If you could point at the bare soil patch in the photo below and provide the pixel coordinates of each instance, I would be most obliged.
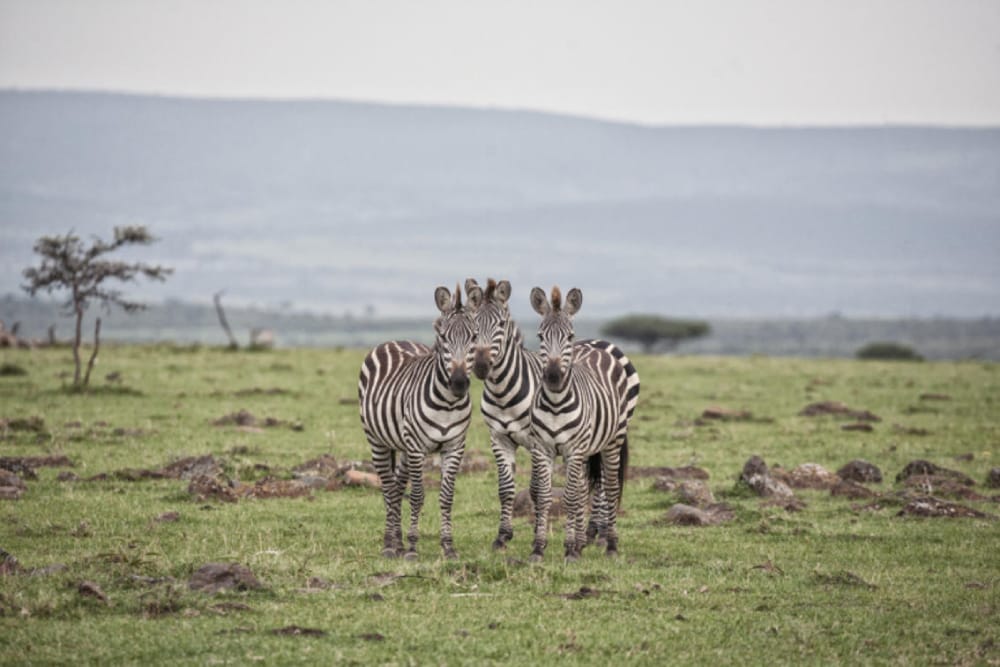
(217, 577)
(246, 419)
(839, 409)
(683, 472)
(806, 476)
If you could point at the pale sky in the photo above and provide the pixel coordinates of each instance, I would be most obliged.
(777, 62)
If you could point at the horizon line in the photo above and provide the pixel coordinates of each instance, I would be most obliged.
(500, 109)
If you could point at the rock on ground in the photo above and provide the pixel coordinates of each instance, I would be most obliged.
(758, 478)
(859, 470)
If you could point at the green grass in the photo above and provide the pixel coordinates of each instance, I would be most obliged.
(848, 586)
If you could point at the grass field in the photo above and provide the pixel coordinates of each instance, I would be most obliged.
(841, 581)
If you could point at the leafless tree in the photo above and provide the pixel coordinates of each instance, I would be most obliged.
(69, 264)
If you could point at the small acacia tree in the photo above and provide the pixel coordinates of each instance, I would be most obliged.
(652, 330)
(69, 264)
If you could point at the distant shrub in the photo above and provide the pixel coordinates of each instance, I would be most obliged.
(652, 330)
(11, 369)
(888, 352)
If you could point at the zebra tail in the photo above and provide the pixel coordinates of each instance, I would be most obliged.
(594, 472)
(622, 469)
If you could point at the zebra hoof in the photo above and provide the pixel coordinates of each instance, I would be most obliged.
(611, 553)
(410, 555)
(450, 554)
(389, 553)
(499, 545)
(536, 558)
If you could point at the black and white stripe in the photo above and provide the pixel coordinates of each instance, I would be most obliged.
(587, 396)
(414, 401)
(511, 375)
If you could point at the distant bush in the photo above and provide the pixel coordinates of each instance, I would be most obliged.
(652, 330)
(888, 352)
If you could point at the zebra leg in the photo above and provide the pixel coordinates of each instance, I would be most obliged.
(392, 539)
(450, 463)
(415, 465)
(612, 491)
(597, 526)
(574, 497)
(541, 482)
(503, 451)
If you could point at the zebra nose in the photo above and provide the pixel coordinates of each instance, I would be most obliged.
(553, 375)
(481, 362)
(459, 382)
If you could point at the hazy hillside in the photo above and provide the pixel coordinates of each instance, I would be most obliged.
(338, 206)
(831, 336)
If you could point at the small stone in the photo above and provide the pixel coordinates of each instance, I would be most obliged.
(359, 478)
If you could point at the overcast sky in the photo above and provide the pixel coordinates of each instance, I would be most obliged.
(778, 62)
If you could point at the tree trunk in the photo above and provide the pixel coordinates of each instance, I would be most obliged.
(233, 345)
(76, 345)
(93, 356)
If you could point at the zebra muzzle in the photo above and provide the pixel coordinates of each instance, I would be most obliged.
(481, 363)
(552, 375)
(459, 382)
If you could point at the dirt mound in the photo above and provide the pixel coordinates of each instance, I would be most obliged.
(942, 485)
(686, 515)
(838, 409)
(922, 467)
(850, 489)
(26, 465)
(187, 468)
(683, 472)
(806, 476)
(720, 413)
(221, 488)
(859, 470)
(11, 486)
(929, 506)
(246, 420)
(758, 479)
(216, 577)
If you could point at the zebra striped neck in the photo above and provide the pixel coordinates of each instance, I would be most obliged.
(439, 384)
(510, 360)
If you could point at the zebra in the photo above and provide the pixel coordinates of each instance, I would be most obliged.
(587, 396)
(511, 376)
(414, 400)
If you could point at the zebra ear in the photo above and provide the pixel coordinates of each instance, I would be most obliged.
(475, 294)
(574, 299)
(539, 301)
(502, 291)
(442, 297)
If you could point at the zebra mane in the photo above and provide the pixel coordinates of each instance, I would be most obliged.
(491, 286)
(458, 298)
(556, 298)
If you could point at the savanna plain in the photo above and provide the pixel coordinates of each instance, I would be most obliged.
(104, 547)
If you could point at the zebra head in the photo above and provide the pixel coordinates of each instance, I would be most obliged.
(556, 334)
(492, 321)
(455, 339)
